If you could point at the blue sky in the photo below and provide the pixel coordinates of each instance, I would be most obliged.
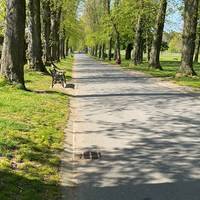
(174, 21)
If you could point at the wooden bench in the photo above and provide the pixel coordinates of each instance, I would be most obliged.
(58, 75)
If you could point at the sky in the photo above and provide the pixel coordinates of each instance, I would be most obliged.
(174, 20)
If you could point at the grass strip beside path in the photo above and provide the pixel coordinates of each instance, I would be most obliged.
(31, 137)
(170, 64)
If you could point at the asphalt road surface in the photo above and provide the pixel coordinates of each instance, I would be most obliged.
(148, 135)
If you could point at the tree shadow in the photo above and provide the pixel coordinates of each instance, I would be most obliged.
(148, 136)
(13, 186)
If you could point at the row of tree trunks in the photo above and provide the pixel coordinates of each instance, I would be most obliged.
(100, 50)
(12, 61)
(13, 58)
(55, 45)
(154, 43)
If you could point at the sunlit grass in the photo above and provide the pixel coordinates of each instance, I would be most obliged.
(31, 134)
(170, 63)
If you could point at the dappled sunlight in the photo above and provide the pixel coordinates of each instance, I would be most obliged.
(148, 135)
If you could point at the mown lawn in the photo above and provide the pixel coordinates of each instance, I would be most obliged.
(170, 63)
(31, 138)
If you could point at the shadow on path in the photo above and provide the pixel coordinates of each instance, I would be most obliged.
(148, 135)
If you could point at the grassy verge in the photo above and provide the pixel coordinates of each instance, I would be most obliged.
(31, 135)
(170, 64)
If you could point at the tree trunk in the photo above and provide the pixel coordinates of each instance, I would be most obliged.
(197, 47)
(118, 41)
(103, 52)
(100, 51)
(196, 54)
(96, 51)
(189, 37)
(110, 49)
(115, 51)
(46, 17)
(129, 49)
(54, 42)
(137, 42)
(148, 45)
(141, 52)
(118, 49)
(55, 34)
(67, 46)
(12, 62)
(62, 47)
(157, 38)
(92, 51)
(34, 36)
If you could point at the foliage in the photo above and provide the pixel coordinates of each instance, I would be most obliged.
(175, 44)
(100, 25)
(164, 46)
(2, 15)
(70, 24)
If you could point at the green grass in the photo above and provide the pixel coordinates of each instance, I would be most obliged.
(31, 137)
(170, 63)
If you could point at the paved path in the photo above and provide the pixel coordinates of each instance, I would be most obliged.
(148, 135)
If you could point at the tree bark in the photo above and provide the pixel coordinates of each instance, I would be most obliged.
(12, 62)
(103, 52)
(196, 54)
(118, 49)
(46, 17)
(197, 46)
(62, 47)
(189, 37)
(137, 43)
(141, 51)
(55, 34)
(91, 51)
(118, 39)
(34, 36)
(110, 49)
(67, 46)
(100, 51)
(129, 49)
(157, 38)
(96, 51)
(148, 45)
